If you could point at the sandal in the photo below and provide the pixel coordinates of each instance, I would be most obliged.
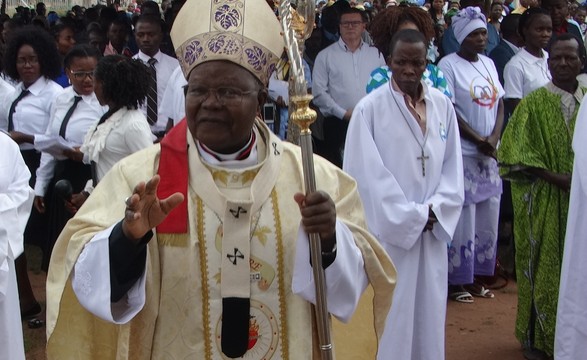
(479, 291)
(462, 297)
(35, 323)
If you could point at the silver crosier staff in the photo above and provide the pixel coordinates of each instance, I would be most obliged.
(297, 26)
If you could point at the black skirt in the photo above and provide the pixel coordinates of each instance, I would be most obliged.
(78, 174)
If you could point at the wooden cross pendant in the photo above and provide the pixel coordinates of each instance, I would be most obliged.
(423, 159)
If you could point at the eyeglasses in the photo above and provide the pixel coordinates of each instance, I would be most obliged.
(225, 95)
(350, 24)
(81, 75)
(31, 61)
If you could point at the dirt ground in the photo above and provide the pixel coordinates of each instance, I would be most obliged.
(483, 330)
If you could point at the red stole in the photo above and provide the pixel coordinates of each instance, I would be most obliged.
(174, 173)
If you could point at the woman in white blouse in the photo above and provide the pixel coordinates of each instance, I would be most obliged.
(121, 84)
(73, 112)
(528, 69)
(31, 59)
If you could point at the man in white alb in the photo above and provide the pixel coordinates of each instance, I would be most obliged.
(403, 148)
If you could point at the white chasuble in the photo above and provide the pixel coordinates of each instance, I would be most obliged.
(175, 310)
(383, 151)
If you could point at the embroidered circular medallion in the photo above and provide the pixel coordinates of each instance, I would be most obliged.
(263, 333)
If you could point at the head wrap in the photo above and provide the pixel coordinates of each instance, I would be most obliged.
(466, 21)
(244, 32)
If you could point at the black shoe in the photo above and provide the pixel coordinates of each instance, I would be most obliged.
(32, 312)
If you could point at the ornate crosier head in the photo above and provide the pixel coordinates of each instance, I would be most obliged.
(297, 25)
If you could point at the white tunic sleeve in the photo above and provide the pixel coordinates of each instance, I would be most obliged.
(91, 283)
(345, 277)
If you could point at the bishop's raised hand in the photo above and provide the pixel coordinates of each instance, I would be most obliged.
(144, 210)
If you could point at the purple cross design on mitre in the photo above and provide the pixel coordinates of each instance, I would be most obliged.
(227, 17)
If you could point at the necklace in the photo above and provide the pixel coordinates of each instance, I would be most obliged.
(487, 78)
(423, 157)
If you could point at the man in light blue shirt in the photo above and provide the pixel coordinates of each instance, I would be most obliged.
(339, 77)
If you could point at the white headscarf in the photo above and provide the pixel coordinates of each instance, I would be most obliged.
(466, 21)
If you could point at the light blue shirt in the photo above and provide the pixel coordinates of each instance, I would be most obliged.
(339, 76)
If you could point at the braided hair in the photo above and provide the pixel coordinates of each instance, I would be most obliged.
(125, 82)
(387, 22)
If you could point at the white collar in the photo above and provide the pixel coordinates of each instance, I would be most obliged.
(229, 161)
(343, 45)
(141, 55)
(35, 87)
(531, 59)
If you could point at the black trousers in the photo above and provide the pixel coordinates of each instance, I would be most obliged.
(36, 228)
(334, 137)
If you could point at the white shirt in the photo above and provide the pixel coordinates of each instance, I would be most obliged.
(165, 66)
(86, 114)
(32, 113)
(525, 73)
(172, 105)
(129, 132)
(6, 90)
(475, 99)
(339, 76)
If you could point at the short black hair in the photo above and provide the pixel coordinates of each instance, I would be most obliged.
(150, 19)
(528, 16)
(581, 52)
(124, 81)
(509, 25)
(80, 51)
(150, 7)
(409, 36)
(43, 44)
(61, 25)
(352, 10)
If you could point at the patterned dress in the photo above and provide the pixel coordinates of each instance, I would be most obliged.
(539, 135)
(432, 76)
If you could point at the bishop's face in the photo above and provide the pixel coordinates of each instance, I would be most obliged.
(222, 101)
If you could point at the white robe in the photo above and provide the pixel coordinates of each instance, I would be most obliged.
(16, 199)
(381, 152)
(571, 319)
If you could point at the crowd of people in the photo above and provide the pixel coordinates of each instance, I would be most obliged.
(149, 156)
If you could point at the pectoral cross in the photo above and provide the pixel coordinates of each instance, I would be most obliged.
(423, 159)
